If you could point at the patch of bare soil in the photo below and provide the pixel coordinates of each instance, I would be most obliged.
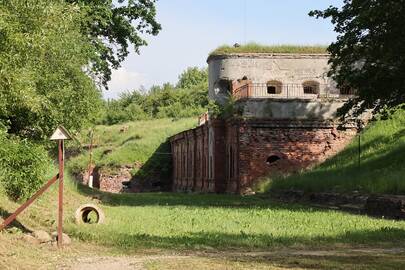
(115, 262)
(285, 258)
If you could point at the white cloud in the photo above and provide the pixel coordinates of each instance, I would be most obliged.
(123, 80)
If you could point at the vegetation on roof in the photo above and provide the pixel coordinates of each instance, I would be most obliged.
(258, 48)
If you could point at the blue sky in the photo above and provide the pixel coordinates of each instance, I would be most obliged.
(193, 28)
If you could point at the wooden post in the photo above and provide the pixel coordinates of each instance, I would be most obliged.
(60, 209)
(60, 135)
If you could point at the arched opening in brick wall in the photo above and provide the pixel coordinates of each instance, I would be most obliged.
(272, 159)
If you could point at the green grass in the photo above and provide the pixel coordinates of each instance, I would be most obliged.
(144, 142)
(258, 48)
(381, 170)
(207, 221)
(173, 222)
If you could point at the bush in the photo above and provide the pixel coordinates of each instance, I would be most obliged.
(23, 165)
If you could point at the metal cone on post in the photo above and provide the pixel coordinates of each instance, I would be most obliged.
(60, 135)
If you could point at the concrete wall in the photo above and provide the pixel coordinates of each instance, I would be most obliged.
(289, 108)
(261, 68)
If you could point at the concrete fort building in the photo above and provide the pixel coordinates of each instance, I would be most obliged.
(284, 119)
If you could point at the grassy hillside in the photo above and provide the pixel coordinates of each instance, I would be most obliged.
(143, 142)
(382, 167)
(258, 48)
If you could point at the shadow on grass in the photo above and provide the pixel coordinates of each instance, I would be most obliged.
(15, 224)
(225, 241)
(168, 199)
(155, 173)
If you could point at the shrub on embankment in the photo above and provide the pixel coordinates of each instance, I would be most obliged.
(381, 168)
(23, 165)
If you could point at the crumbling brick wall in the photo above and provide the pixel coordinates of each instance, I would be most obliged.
(246, 150)
(278, 147)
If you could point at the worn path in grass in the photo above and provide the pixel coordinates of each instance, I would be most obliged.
(363, 258)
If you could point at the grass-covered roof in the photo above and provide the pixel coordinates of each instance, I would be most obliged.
(258, 48)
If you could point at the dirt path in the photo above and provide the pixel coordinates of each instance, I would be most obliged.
(363, 258)
(112, 262)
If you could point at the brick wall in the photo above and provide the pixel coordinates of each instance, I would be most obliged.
(190, 162)
(296, 144)
(243, 151)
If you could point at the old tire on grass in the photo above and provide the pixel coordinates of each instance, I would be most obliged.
(83, 212)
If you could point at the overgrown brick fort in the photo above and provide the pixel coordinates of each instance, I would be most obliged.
(283, 119)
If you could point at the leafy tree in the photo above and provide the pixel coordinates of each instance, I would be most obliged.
(42, 57)
(112, 28)
(369, 54)
(193, 76)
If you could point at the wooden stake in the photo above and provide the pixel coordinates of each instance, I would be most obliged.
(60, 212)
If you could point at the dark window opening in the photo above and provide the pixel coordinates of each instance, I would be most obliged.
(271, 89)
(274, 87)
(309, 90)
(311, 87)
(224, 85)
(272, 159)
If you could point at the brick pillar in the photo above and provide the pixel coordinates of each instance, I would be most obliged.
(190, 174)
(174, 162)
(199, 166)
(204, 186)
(218, 177)
(232, 162)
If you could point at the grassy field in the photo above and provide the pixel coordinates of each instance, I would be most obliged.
(258, 48)
(212, 231)
(381, 170)
(190, 221)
